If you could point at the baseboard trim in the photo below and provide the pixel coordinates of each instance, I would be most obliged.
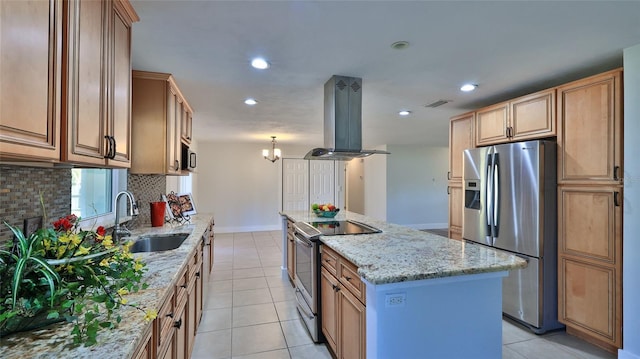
(275, 227)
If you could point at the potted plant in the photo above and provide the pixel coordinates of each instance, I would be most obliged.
(66, 273)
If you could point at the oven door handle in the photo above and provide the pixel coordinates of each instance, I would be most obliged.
(303, 242)
(302, 306)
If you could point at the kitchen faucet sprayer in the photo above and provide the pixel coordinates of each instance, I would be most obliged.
(132, 211)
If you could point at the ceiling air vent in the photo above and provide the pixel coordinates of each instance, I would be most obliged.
(437, 103)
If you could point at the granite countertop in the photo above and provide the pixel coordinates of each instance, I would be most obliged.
(400, 254)
(163, 267)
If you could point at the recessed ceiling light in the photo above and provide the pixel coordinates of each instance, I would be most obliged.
(260, 63)
(404, 113)
(250, 101)
(400, 45)
(468, 87)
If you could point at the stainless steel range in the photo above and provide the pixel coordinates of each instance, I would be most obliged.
(307, 267)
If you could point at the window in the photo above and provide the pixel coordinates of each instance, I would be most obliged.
(93, 191)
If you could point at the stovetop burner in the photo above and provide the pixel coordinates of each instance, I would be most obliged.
(337, 228)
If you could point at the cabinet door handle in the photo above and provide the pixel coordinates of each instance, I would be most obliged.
(449, 175)
(448, 190)
(198, 274)
(335, 288)
(177, 165)
(108, 154)
(616, 199)
(113, 148)
(178, 323)
(616, 169)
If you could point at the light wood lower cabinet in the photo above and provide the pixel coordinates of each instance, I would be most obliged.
(590, 263)
(456, 208)
(291, 251)
(342, 304)
(178, 319)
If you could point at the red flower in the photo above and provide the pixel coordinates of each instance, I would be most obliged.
(63, 224)
(101, 231)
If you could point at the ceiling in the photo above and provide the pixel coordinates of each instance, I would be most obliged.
(507, 48)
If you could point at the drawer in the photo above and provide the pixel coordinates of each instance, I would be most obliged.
(329, 260)
(349, 277)
(165, 323)
(181, 286)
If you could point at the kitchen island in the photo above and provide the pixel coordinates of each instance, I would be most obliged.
(163, 270)
(450, 291)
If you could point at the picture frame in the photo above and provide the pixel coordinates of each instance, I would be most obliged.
(171, 199)
(187, 204)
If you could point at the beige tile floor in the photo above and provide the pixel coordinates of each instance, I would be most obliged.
(250, 312)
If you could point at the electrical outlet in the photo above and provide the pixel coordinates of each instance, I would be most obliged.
(395, 300)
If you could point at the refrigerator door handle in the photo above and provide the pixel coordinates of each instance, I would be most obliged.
(496, 196)
(488, 193)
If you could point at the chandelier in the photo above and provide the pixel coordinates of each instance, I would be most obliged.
(275, 152)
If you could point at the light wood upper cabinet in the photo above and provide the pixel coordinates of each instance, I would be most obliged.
(187, 119)
(533, 116)
(96, 126)
(492, 124)
(590, 262)
(590, 129)
(30, 79)
(157, 109)
(524, 118)
(460, 138)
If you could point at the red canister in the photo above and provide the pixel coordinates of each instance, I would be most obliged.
(157, 213)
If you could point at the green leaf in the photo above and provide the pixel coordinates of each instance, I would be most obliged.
(53, 315)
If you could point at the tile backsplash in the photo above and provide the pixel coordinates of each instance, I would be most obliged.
(146, 189)
(20, 189)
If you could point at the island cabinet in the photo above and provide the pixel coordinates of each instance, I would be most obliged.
(291, 251)
(590, 207)
(157, 114)
(343, 309)
(524, 118)
(30, 79)
(460, 138)
(96, 118)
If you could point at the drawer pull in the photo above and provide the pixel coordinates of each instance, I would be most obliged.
(335, 288)
(178, 323)
(170, 315)
(183, 285)
(347, 278)
(328, 260)
(616, 199)
(198, 274)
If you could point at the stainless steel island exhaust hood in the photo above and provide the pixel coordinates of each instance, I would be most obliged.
(342, 121)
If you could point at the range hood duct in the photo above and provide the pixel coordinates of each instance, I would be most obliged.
(342, 121)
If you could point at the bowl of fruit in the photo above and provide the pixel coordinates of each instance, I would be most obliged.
(325, 210)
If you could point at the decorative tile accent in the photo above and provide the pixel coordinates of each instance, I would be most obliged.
(20, 189)
(146, 189)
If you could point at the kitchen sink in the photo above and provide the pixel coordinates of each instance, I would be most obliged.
(158, 242)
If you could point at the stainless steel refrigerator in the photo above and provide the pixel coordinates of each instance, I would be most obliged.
(510, 204)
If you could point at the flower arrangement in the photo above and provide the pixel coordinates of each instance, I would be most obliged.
(67, 273)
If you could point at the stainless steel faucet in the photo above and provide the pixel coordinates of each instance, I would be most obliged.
(122, 231)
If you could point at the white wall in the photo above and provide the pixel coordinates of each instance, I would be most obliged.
(375, 185)
(239, 187)
(417, 186)
(631, 225)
